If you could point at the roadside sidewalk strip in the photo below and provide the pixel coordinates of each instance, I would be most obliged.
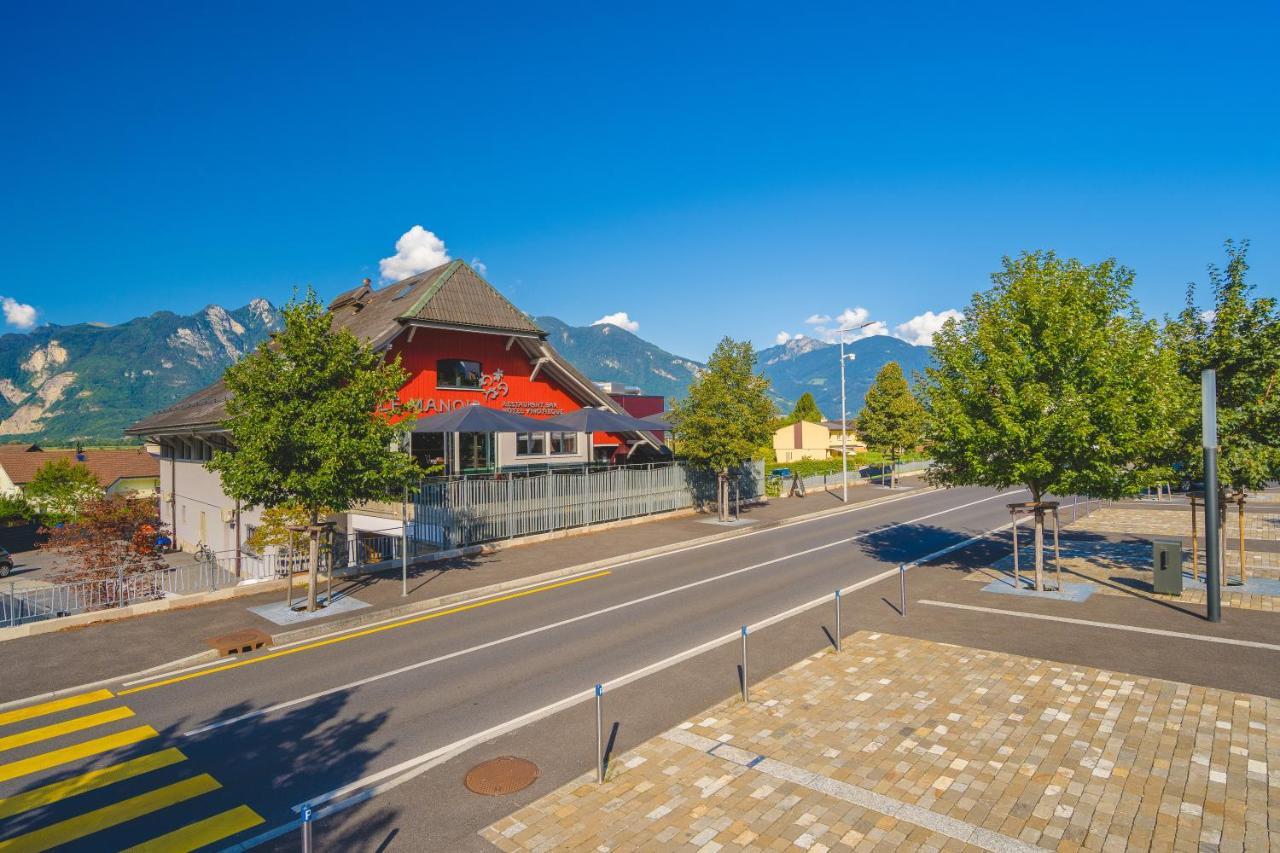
(382, 781)
(258, 587)
(1159, 632)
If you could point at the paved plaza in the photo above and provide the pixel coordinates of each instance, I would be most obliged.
(901, 742)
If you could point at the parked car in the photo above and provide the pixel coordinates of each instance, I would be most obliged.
(6, 562)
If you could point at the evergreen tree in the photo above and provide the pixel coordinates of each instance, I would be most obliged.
(303, 427)
(892, 419)
(1053, 381)
(727, 416)
(806, 409)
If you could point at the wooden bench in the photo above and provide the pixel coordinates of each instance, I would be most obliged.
(239, 642)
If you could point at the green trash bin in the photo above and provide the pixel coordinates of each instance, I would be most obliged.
(1166, 563)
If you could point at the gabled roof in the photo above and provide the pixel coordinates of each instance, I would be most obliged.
(108, 466)
(451, 296)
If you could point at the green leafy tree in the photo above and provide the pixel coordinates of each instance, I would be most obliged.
(727, 416)
(806, 409)
(1239, 337)
(14, 509)
(59, 488)
(1052, 380)
(892, 419)
(303, 425)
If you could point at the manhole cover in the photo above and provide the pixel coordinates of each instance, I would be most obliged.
(504, 775)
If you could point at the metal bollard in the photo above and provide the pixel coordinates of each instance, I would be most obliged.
(902, 578)
(306, 828)
(837, 621)
(745, 692)
(1075, 499)
(599, 735)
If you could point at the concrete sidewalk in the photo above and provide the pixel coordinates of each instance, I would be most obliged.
(37, 665)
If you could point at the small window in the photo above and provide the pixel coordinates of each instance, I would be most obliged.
(457, 373)
(404, 291)
(531, 444)
(564, 443)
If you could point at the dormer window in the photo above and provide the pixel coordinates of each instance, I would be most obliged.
(458, 373)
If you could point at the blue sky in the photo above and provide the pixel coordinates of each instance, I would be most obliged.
(708, 171)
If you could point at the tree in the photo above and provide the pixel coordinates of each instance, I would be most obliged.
(303, 424)
(1238, 337)
(14, 509)
(806, 410)
(58, 489)
(1053, 381)
(892, 419)
(726, 417)
(111, 536)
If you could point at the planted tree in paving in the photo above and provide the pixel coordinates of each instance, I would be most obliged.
(1239, 337)
(1052, 380)
(892, 419)
(303, 427)
(727, 415)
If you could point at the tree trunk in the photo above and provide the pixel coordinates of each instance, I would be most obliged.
(313, 571)
(1039, 544)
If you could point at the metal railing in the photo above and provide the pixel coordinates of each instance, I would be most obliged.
(460, 512)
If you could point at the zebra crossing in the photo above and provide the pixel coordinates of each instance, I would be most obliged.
(80, 772)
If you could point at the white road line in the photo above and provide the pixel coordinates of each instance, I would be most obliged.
(384, 780)
(1252, 644)
(872, 504)
(302, 700)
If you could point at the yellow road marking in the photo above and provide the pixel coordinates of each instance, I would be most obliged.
(365, 633)
(75, 752)
(56, 705)
(106, 817)
(66, 727)
(94, 779)
(202, 832)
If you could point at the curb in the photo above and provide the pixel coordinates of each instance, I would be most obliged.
(189, 660)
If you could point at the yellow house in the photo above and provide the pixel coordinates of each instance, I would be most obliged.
(855, 444)
(801, 440)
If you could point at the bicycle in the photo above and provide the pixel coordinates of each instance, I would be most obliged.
(204, 554)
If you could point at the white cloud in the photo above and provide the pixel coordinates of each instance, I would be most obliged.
(783, 337)
(417, 250)
(479, 266)
(919, 330)
(825, 327)
(18, 314)
(621, 320)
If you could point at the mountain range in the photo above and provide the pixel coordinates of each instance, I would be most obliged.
(88, 381)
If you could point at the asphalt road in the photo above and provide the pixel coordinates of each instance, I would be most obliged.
(224, 753)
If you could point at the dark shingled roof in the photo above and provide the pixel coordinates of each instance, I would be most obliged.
(452, 295)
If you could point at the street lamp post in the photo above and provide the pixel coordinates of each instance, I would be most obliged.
(844, 415)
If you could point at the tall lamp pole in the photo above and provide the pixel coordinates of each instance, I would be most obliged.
(844, 414)
(1212, 552)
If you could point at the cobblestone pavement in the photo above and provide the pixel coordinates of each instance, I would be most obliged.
(1257, 525)
(906, 743)
(1124, 568)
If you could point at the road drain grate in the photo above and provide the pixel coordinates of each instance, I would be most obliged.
(499, 776)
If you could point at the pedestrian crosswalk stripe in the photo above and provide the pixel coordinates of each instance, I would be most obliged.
(202, 832)
(20, 714)
(66, 727)
(75, 752)
(66, 831)
(100, 778)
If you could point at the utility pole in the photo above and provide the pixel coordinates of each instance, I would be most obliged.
(1212, 542)
(844, 415)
